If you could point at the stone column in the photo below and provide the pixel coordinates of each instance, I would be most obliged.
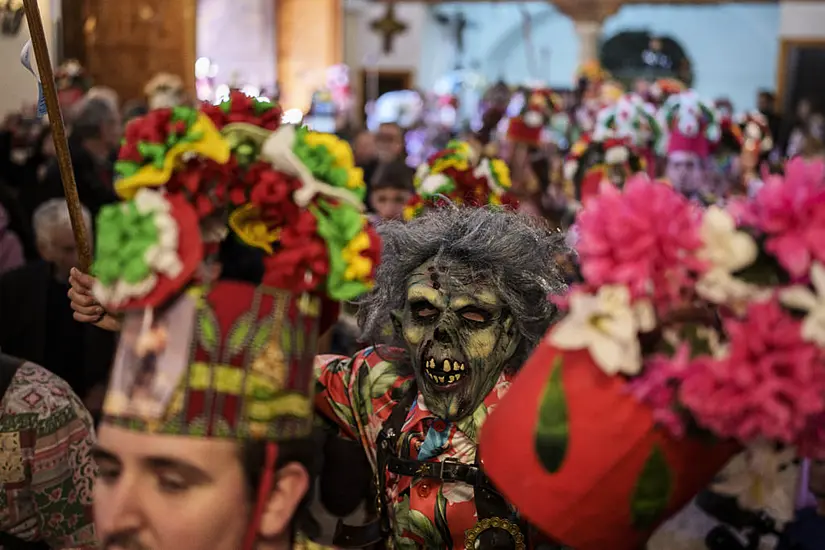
(589, 33)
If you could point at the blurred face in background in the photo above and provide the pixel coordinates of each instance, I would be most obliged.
(389, 143)
(56, 245)
(363, 147)
(389, 203)
(685, 172)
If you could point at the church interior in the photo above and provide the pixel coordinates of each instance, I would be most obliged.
(726, 49)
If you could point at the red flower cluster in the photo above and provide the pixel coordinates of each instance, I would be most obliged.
(301, 263)
(154, 128)
(240, 108)
(208, 185)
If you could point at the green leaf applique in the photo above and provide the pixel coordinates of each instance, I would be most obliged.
(471, 425)
(553, 431)
(261, 338)
(208, 330)
(652, 491)
(239, 335)
(422, 527)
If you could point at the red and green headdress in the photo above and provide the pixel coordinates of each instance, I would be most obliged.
(214, 358)
(459, 174)
(532, 124)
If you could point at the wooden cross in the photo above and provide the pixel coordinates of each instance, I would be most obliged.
(388, 26)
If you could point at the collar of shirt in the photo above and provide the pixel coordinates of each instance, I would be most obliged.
(431, 436)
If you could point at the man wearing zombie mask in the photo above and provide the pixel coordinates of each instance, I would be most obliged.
(464, 293)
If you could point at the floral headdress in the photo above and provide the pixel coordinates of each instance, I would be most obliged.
(693, 125)
(459, 174)
(755, 131)
(626, 132)
(693, 333)
(662, 89)
(164, 90)
(214, 358)
(531, 126)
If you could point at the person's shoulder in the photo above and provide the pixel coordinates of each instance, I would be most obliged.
(42, 398)
(23, 274)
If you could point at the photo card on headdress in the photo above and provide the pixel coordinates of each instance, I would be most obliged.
(152, 360)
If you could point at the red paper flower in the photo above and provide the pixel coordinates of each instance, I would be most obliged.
(301, 262)
(271, 192)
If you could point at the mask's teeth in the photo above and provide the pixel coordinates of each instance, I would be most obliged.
(456, 366)
(457, 377)
(451, 379)
(446, 366)
(440, 379)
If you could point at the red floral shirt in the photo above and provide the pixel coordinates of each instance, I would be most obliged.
(359, 393)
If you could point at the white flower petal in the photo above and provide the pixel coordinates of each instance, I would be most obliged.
(818, 280)
(433, 184)
(799, 297)
(567, 334)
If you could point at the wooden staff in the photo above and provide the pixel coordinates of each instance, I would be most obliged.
(61, 144)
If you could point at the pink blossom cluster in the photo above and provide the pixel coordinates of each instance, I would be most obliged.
(790, 212)
(770, 384)
(645, 237)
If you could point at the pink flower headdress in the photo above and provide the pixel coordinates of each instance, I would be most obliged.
(695, 334)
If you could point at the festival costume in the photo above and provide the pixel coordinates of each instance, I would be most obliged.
(226, 359)
(462, 176)
(532, 126)
(670, 361)
(429, 489)
(46, 465)
(164, 91)
(624, 142)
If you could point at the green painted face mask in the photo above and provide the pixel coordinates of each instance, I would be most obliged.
(459, 336)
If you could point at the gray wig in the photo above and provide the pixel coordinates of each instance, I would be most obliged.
(512, 253)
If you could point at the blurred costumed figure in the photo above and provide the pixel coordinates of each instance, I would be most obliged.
(164, 91)
(693, 129)
(72, 83)
(625, 142)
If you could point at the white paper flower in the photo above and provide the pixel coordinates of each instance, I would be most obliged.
(762, 479)
(725, 246)
(433, 184)
(533, 119)
(802, 298)
(608, 325)
(727, 250)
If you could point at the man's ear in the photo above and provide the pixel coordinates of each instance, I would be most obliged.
(290, 488)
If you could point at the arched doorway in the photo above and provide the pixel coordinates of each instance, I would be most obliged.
(632, 55)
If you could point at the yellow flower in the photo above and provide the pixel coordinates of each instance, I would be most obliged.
(459, 163)
(211, 145)
(248, 226)
(578, 149)
(501, 173)
(494, 200)
(341, 154)
(358, 266)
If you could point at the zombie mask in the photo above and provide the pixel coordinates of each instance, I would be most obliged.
(460, 336)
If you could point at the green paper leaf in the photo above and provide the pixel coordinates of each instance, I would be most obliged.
(239, 334)
(286, 340)
(553, 430)
(208, 330)
(652, 491)
(126, 168)
(261, 338)
(421, 526)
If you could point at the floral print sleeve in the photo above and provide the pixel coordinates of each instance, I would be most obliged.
(46, 436)
(359, 392)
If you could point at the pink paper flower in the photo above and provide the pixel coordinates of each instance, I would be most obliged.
(769, 384)
(645, 237)
(791, 213)
(657, 387)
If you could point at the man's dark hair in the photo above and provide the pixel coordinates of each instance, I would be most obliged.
(396, 175)
(767, 95)
(91, 117)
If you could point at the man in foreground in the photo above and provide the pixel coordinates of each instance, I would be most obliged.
(46, 467)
